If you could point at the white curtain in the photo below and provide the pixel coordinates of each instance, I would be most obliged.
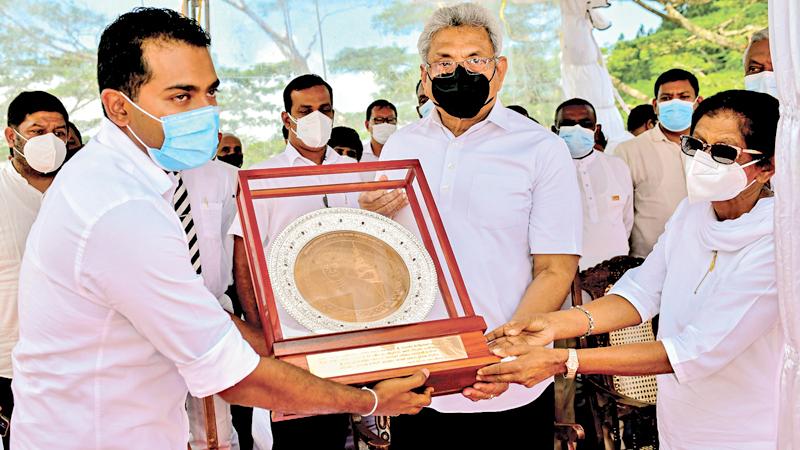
(784, 21)
(583, 72)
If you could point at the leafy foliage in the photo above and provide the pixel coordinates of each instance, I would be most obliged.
(637, 62)
(52, 45)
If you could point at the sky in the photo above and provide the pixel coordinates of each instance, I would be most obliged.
(346, 23)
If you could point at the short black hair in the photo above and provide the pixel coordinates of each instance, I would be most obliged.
(574, 102)
(519, 109)
(416, 89)
(71, 127)
(676, 75)
(300, 83)
(758, 115)
(346, 137)
(285, 132)
(30, 102)
(640, 115)
(120, 59)
(381, 103)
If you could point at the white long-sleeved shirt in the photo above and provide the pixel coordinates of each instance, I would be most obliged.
(115, 325)
(718, 321)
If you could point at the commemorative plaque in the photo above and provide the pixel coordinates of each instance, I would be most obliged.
(362, 284)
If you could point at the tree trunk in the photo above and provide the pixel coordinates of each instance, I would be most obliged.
(671, 14)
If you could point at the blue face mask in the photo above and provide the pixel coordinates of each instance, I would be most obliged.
(580, 141)
(675, 115)
(426, 108)
(190, 138)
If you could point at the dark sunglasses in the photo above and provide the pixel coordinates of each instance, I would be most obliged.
(721, 153)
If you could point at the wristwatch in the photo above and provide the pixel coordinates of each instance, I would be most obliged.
(572, 364)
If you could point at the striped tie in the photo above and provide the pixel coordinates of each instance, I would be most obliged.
(184, 210)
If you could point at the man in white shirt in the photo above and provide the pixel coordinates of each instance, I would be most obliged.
(509, 201)
(605, 183)
(381, 123)
(22, 187)
(210, 191)
(607, 200)
(308, 99)
(115, 323)
(230, 150)
(655, 159)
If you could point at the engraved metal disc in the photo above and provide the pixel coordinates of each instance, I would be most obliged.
(338, 269)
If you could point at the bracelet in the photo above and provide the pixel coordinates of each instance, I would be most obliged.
(588, 316)
(375, 406)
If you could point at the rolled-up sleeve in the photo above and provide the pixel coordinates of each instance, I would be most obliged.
(555, 225)
(141, 269)
(743, 309)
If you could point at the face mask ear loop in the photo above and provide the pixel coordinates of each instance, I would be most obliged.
(20, 135)
(140, 109)
(137, 138)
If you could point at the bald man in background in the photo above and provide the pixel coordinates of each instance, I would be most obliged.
(229, 150)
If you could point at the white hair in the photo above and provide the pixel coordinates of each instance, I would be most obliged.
(461, 15)
(761, 35)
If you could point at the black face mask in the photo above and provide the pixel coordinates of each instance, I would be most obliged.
(462, 95)
(234, 159)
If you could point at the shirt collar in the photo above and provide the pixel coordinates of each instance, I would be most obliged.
(588, 159)
(657, 135)
(497, 115)
(17, 178)
(112, 136)
(292, 155)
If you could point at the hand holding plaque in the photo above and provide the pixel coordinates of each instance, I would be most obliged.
(364, 284)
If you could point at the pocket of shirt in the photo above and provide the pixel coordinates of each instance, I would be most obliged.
(210, 216)
(497, 201)
(616, 205)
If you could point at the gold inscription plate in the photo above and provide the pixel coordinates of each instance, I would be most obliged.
(351, 276)
(383, 357)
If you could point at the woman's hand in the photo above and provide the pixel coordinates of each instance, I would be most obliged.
(523, 363)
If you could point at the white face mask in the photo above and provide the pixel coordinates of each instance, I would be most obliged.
(763, 82)
(382, 131)
(44, 153)
(710, 181)
(314, 129)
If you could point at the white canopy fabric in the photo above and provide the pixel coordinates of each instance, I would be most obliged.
(784, 26)
(583, 72)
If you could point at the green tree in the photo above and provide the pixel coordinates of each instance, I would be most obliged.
(717, 63)
(49, 45)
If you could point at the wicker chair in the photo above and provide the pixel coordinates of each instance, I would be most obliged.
(615, 399)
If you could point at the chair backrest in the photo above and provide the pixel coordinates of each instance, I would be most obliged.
(642, 388)
(597, 281)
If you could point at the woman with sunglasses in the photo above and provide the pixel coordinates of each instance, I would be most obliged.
(710, 277)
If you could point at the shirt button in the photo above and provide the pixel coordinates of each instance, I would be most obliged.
(451, 166)
(445, 187)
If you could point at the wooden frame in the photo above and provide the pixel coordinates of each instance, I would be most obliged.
(446, 377)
